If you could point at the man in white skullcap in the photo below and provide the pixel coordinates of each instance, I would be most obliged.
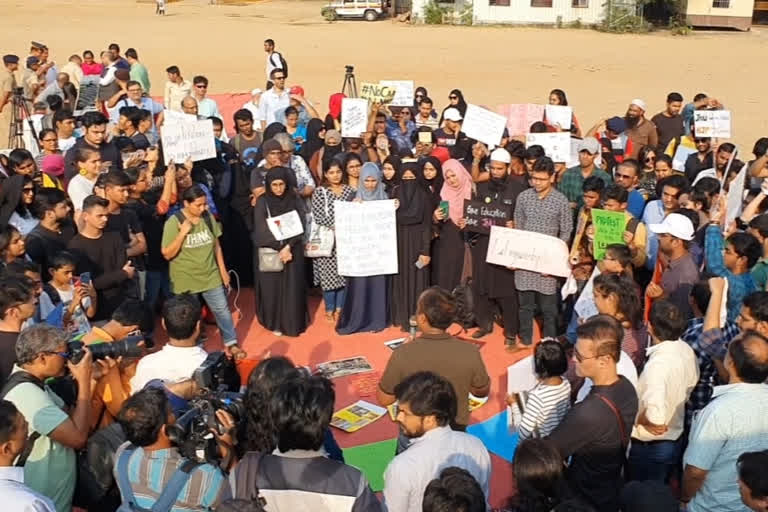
(252, 106)
(640, 130)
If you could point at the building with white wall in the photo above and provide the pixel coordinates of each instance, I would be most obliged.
(522, 12)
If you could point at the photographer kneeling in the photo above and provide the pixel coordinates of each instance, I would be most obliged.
(151, 469)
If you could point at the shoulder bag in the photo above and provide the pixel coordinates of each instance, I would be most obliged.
(321, 238)
(269, 258)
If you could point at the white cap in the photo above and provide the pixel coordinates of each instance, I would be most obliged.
(675, 224)
(638, 102)
(256, 91)
(590, 145)
(500, 155)
(452, 114)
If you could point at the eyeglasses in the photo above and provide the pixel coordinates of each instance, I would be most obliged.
(65, 355)
(453, 97)
(580, 358)
(650, 159)
(28, 191)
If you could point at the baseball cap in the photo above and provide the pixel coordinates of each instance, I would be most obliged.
(616, 124)
(10, 59)
(500, 155)
(452, 114)
(32, 60)
(590, 145)
(675, 224)
(297, 89)
(256, 91)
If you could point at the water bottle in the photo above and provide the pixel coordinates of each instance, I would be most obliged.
(412, 327)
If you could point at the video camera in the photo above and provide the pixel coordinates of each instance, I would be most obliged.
(219, 384)
(127, 347)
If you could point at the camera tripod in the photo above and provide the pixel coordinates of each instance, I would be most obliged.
(19, 113)
(350, 85)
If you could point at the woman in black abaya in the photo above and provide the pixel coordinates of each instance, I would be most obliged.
(414, 235)
(280, 296)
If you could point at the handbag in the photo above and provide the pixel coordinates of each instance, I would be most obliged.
(269, 260)
(321, 238)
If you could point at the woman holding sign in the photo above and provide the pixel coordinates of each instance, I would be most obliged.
(366, 306)
(281, 295)
(414, 235)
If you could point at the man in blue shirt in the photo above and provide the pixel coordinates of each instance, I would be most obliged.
(627, 175)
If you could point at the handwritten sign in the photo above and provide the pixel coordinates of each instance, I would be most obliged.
(483, 125)
(557, 146)
(354, 117)
(285, 226)
(87, 95)
(377, 92)
(366, 238)
(481, 216)
(193, 140)
(609, 229)
(173, 117)
(404, 92)
(528, 250)
(712, 123)
(559, 115)
(520, 116)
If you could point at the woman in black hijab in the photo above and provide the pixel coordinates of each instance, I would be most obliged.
(431, 178)
(315, 141)
(455, 100)
(391, 171)
(414, 236)
(281, 302)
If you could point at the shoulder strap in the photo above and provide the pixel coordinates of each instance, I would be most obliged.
(632, 224)
(208, 221)
(123, 482)
(14, 380)
(622, 430)
(170, 494)
(246, 473)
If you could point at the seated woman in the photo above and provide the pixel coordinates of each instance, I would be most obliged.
(281, 297)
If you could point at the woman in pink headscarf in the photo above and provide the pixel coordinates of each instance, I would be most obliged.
(448, 248)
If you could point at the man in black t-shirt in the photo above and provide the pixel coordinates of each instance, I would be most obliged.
(595, 432)
(54, 231)
(17, 304)
(95, 124)
(669, 123)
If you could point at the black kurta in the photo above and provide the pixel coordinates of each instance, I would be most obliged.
(281, 297)
(447, 256)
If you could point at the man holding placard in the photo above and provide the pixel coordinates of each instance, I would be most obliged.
(541, 209)
(573, 179)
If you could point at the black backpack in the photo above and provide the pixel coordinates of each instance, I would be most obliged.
(246, 497)
(465, 304)
(14, 380)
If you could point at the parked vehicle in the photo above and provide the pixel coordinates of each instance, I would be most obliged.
(369, 10)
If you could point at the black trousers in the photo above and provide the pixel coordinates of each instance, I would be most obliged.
(486, 307)
(547, 304)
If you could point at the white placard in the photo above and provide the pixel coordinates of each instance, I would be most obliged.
(735, 199)
(557, 146)
(528, 250)
(681, 155)
(366, 238)
(188, 140)
(354, 117)
(521, 378)
(285, 226)
(585, 306)
(712, 123)
(483, 125)
(404, 92)
(560, 115)
(173, 117)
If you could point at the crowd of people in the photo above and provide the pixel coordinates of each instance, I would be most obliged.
(651, 375)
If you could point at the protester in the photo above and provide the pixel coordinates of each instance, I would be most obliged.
(573, 179)
(670, 189)
(539, 477)
(94, 138)
(669, 122)
(616, 199)
(11, 245)
(448, 248)
(455, 489)
(640, 130)
(627, 176)
(17, 305)
(752, 479)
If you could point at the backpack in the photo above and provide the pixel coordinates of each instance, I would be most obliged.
(283, 63)
(167, 498)
(206, 217)
(244, 479)
(14, 380)
(465, 304)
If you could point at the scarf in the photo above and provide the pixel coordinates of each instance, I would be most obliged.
(313, 142)
(456, 196)
(412, 197)
(371, 170)
(434, 185)
(391, 184)
(279, 205)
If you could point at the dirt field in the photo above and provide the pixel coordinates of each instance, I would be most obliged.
(492, 65)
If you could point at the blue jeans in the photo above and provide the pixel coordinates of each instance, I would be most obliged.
(158, 285)
(216, 299)
(653, 460)
(334, 299)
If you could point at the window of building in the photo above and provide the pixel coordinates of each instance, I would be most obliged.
(721, 4)
(499, 3)
(580, 3)
(541, 3)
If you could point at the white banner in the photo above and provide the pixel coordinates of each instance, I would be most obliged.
(366, 238)
(712, 123)
(528, 250)
(188, 140)
(404, 92)
(354, 117)
(557, 146)
(560, 115)
(483, 125)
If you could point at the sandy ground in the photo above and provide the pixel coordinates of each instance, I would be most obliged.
(600, 73)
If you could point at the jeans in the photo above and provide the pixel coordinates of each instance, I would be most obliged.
(334, 299)
(529, 300)
(653, 460)
(216, 298)
(158, 285)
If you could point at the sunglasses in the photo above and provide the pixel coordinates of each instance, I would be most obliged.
(28, 190)
(650, 159)
(453, 97)
(701, 141)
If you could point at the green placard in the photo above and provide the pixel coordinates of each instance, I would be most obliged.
(609, 229)
(372, 459)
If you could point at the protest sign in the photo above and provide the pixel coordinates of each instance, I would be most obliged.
(87, 95)
(403, 92)
(285, 226)
(735, 199)
(528, 250)
(377, 92)
(173, 117)
(681, 155)
(585, 306)
(609, 229)
(520, 116)
(483, 125)
(559, 115)
(557, 146)
(354, 117)
(480, 216)
(182, 141)
(712, 123)
(366, 238)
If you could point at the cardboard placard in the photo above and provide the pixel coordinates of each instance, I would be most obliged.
(481, 216)
(712, 123)
(609, 229)
(366, 238)
(193, 140)
(557, 145)
(520, 116)
(377, 92)
(354, 117)
(559, 115)
(528, 250)
(483, 125)
(404, 92)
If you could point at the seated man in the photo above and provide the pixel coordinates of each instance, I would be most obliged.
(147, 463)
(181, 355)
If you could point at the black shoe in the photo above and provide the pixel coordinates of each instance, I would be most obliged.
(479, 333)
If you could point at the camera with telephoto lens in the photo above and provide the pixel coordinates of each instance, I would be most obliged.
(128, 347)
(219, 383)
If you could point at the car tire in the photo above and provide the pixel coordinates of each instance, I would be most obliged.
(370, 15)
